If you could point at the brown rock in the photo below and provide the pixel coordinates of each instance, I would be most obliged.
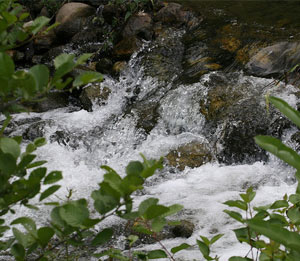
(119, 67)
(169, 13)
(126, 47)
(193, 155)
(93, 94)
(72, 17)
(140, 25)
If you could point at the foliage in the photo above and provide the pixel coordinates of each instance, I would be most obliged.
(132, 6)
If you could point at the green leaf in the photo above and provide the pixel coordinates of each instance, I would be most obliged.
(132, 239)
(104, 203)
(158, 224)
(39, 142)
(25, 82)
(41, 75)
(36, 164)
(37, 174)
(49, 191)
(53, 177)
(134, 168)
(83, 58)
(38, 24)
(87, 77)
(236, 203)
(7, 65)
(18, 251)
(286, 109)
(155, 211)
(280, 150)
(216, 238)
(8, 145)
(203, 248)
(27, 223)
(205, 240)
(63, 59)
(150, 166)
(7, 164)
(24, 239)
(294, 198)
(74, 214)
(156, 254)
(239, 258)
(235, 215)
(179, 248)
(114, 180)
(30, 148)
(294, 215)
(104, 236)
(26, 160)
(279, 204)
(173, 209)
(276, 233)
(242, 234)
(44, 235)
(146, 204)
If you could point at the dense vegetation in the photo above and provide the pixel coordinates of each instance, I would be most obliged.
(272, 231)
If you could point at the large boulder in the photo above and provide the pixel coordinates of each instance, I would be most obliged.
(235, 113)
(275, 59)
(72, 18)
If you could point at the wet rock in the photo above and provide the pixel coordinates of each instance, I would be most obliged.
(147, 115)
(36, 130)
(184, 229)
(126, 47)
(296, 139)
(139, 25)
(43, 42)
(162, 60)
(105, 65)
(275, 59)
(110, 11)
(94, 93)
(235, 113)
(53, 100)
(119, 66)
(189, 155)
(170, 13)
(197, 61)
(72, 18)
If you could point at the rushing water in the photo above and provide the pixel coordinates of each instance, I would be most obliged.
(108, 136)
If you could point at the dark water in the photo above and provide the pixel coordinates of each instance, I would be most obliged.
(277, 19)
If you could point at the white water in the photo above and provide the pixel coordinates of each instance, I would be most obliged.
(200, 190)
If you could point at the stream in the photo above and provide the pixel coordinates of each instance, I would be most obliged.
(79, 142)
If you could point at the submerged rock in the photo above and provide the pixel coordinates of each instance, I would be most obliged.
(189, 155)
(275, 59)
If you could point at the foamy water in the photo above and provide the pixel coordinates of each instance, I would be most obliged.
(115, 142)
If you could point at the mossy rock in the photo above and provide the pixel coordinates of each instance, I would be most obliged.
(94, 93)
(191, 155)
